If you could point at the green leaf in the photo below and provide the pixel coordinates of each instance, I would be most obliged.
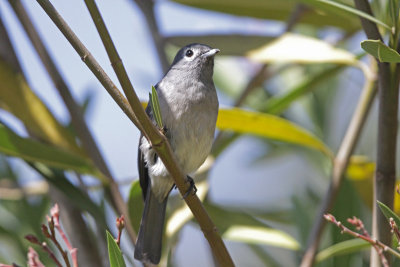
(33, 151)
(261, 235)
(114, 253)
(155, 105)
(342, 248)
(280, 10)
(135, 205)
(268, 126)
(388, 213)
(379, 50)
(349, 9)
(296, 48)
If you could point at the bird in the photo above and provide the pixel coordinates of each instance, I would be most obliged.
(189, 109)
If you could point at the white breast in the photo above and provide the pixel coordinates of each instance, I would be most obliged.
(189, 113)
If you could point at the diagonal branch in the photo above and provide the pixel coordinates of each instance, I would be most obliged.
(158, 141)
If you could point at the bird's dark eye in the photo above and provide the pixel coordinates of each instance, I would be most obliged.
(189, 53)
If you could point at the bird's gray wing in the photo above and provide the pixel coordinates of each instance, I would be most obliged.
(143, 171)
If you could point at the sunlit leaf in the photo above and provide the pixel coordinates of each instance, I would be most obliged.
(114, 252)
(268, 126)
(135, 205)
(280, 10)
(295, 48)
(28, 149)
(388, 213)
(342, 248)
(17, 98)
(361, 172)
(379, 50)
(261, 235)
(360, 168)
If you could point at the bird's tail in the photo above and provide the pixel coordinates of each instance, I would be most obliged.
(149, 241)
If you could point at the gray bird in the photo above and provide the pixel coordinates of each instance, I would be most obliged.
(189, 109)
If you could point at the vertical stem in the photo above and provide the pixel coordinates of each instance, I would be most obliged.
(387, 136)
(385, 174)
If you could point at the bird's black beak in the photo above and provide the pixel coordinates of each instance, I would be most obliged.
(210, 53)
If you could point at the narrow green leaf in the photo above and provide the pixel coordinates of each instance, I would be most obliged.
(155, 105)
(261, 235)
(342, 248)
(349, 9)
(114, 253)
(268, 126)
(135, 205)
(279, 103)
(388, 213)
(33, 151)
(381, 51)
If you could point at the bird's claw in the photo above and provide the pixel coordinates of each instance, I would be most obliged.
(192, 187)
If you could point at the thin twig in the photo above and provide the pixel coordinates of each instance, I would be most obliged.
(376, 244)
(158, 141)
(51, 235)
(34, 240)
(55, 215)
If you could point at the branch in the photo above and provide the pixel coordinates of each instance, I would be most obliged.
(158, 141)
(339, 166)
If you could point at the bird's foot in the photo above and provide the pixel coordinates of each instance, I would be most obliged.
(192, 187)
